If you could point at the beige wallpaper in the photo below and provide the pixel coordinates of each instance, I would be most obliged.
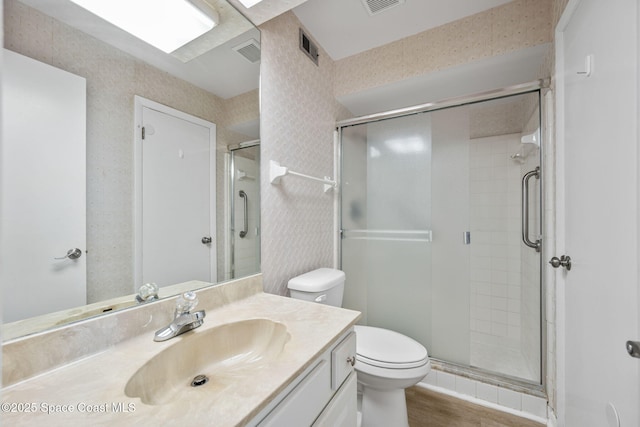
(513, 26)
(113, 78)
(297, 121)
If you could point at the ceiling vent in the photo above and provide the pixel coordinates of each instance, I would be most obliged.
(250, 50)
(376, 6)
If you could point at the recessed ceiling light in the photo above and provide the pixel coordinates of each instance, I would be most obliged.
(249, 3)
(165, 24)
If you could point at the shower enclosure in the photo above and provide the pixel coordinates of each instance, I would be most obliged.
(440, 225)
(242, 235)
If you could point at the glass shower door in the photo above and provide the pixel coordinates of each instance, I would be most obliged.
(386, 223)
(431, 218)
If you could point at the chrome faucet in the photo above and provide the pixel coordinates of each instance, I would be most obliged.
(184, 320)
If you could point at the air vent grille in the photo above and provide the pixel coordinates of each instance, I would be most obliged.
(250, 50)
(376, 6)
(308, 47)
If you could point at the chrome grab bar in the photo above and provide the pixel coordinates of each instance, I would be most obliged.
(243, 233)
(537, 245)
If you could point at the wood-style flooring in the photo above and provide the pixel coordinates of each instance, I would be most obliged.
(430, 409)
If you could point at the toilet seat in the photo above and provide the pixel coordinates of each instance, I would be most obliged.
(383, 348)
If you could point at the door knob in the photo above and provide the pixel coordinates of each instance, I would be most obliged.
(206, 240)
(633, 348)
(74, 253)
(563, 261)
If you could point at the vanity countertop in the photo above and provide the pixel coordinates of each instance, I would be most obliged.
(90, 391)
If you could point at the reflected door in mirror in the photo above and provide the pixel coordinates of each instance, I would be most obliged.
(178, 198)
(44, 188)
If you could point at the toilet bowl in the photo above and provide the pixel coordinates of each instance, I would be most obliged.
(387, 362)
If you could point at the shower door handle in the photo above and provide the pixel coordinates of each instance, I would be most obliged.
(537, 245)
(245, 228)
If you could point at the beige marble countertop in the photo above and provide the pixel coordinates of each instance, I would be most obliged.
(90, 391)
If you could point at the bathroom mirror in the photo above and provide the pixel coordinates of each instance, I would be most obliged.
(213, 80)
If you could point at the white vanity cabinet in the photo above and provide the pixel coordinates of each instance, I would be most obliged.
(325, 394)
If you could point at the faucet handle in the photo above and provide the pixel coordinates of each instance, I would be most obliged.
(186, 302)
(147, 292)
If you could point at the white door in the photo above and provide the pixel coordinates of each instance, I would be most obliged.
(177, 197)
(43, 188)
(598, 299)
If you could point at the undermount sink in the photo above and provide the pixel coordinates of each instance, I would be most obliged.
(224, 355)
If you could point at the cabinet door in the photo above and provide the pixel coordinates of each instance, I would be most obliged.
(342, 410)
(342, 360)
(305, 402)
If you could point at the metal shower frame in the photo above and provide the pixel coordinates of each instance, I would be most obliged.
(540, 86)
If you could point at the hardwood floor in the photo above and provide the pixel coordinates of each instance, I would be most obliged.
(430, 409)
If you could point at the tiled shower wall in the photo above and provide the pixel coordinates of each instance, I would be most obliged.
(495, 254)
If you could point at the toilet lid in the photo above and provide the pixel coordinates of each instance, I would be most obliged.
(388, 349)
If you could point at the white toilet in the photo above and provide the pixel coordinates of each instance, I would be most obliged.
(386, 362)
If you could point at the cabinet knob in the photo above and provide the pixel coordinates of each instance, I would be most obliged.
(351, 360)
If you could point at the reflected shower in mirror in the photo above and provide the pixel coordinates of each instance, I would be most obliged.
(213, 79)
(244, 201)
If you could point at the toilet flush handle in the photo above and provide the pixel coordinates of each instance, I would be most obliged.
(321, 298)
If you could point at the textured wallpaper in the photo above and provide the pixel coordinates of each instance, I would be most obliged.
(298, 114)
(507, 28)
(113, 78)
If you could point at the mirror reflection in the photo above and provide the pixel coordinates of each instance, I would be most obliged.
(129, 174)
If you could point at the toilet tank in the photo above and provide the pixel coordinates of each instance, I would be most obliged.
(324, 285)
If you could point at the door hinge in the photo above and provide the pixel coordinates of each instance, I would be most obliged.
(143, 132)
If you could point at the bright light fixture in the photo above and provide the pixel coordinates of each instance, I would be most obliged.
(165, 24)
(249, 3)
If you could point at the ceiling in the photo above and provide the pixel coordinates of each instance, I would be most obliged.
(344, 27)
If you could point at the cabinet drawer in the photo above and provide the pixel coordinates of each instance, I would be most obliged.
(342, 360)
